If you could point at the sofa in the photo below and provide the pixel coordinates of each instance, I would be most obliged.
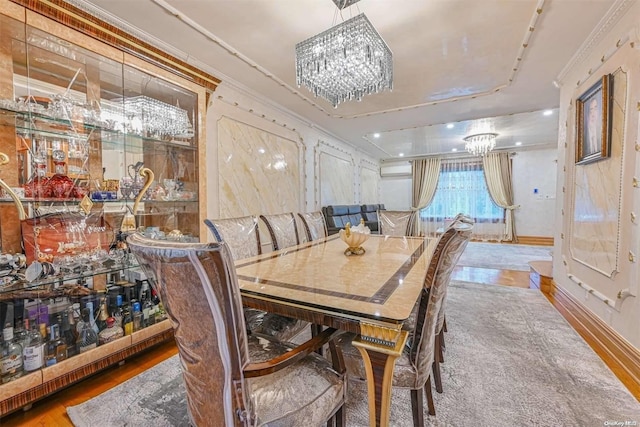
(337, 216)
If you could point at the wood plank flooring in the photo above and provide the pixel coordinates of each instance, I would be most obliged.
(51, 411)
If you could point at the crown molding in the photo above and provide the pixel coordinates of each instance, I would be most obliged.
(526, 41)
(608, 21)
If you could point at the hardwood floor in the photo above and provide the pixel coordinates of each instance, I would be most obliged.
(51, 411)
(492, 276)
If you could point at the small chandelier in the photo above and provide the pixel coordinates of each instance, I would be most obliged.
(480, 144)
(345, 62)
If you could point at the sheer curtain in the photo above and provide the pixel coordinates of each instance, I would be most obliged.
(497, 169)
(462, 189)
(424, 180)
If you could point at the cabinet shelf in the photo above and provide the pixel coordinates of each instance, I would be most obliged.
(30, 123)
(57, 284)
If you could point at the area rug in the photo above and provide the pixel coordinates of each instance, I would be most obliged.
(510, 360)
(504, 256)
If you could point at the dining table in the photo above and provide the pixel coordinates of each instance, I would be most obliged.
(371, 294)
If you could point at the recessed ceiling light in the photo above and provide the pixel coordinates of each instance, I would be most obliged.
(376, 135)
(548, 112)
(401, 154)
(450, 126)
(454, 149)
(519, 143)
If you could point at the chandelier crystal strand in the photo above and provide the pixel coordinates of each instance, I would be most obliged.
(345, 62)
(481, 143)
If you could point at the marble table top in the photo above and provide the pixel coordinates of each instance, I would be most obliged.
(383, 284)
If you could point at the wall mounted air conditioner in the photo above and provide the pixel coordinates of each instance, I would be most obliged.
(395, 170)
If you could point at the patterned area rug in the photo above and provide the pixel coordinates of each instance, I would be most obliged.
(511, 360)
(503, 256)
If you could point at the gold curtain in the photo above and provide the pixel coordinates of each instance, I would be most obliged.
(498, 175)
(424, 181)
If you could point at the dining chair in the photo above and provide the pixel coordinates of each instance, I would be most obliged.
(282, 229)
(314, 225)
(396, 223)
(231, 378)
(459, 221)
(413, 367)
(243, 239)
(241, 234)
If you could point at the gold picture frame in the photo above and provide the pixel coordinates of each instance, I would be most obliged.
(593, 122)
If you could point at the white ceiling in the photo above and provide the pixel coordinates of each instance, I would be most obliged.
(454, 61)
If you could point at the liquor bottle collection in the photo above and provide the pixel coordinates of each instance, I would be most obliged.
(37, 333)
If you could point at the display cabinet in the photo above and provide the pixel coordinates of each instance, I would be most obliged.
(94, 144)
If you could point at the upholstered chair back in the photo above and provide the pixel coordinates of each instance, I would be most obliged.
(282, 229)
(241, 235)
(198, 287)
(396, 223)
(314, 225)
(449, 247)
(460, 221)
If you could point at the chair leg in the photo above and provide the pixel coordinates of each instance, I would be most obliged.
(338, 419)
(444, 324)
(316, 330)
(416, 408)
(435, 366)
(435, 369)
(442, 346)
(341, 417)
(430, 405)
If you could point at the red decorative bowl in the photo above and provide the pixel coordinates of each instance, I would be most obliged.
(61, 186)
(37, 187)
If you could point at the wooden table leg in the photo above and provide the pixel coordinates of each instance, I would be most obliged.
(379, 362)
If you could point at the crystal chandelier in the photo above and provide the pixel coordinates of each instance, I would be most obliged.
(345, 62)
(480, 144)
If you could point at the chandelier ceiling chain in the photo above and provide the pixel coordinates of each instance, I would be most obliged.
(345, 62)
(480, 144)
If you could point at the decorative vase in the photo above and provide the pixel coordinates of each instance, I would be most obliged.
(354, 237)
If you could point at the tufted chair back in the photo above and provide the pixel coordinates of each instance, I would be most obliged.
(314, 225)
(282, 229)
(240, 234)
(449, 247)
(197, 284)
(396, 223)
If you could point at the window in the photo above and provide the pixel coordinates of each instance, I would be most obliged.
(462, 189)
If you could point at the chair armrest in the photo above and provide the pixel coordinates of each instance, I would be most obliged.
(277, 363)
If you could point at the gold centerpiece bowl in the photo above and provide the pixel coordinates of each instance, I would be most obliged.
(354, 237)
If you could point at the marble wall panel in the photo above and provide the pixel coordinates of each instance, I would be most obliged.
(259, 172)
(369, 182)
(595, 232)
(336, 180)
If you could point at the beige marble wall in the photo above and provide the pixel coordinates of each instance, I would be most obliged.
(259, 172)
(369, 183)
(595, 232)
(336, 180)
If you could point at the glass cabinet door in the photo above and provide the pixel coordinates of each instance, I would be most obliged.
(81, 136)
(162, 116)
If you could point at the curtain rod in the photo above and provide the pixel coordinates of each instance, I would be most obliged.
(445, 157)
